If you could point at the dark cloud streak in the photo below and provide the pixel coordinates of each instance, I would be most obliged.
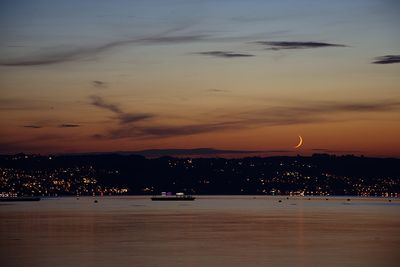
(131, 117)
(68, 125)
(279, 45)
(224, 54)
(389, 59)
(217, 90)
(33, 126)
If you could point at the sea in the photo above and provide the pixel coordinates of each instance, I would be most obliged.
(210, 231)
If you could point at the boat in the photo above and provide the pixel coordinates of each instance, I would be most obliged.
(169, 197)
(17, 199)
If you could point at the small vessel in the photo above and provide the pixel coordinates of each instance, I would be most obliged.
(169, 197)
(16, 199)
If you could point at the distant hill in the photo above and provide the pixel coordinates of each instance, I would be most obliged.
(176, 152)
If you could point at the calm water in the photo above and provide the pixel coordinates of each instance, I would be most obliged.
(211, 231)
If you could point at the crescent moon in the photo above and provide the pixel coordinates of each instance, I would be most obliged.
(300, 142)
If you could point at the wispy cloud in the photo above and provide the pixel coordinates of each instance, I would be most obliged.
(99, 84)
(162, 131)
(174, 39)
(99, 102)
(364, 107)
(389, 59)
(63, 125)
(279, 45)
(213, 90)
(53, 57)
(289, 114)
(122, 116)
(224, 54)
(89, 52)
(68, 125)
(56, 56)
(314, 112)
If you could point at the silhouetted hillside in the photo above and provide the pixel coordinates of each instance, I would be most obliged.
(320, 174)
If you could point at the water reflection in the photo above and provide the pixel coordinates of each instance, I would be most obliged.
(211, 231)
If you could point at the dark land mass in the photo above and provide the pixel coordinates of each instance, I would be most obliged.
(320, 174)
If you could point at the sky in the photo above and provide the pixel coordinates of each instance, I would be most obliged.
(101, 76)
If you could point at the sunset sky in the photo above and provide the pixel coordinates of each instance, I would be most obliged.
(87, 76)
